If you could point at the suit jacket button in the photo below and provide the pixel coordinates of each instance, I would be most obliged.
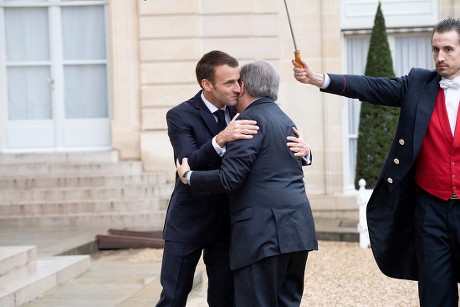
(396, 161)
(390, 180)
(401, 141)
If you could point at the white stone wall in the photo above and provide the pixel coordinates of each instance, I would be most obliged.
(173, 35)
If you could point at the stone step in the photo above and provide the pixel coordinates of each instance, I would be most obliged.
(60, 158)
(334, 206)
(28, 282)
(37, 169)
(74, 207)
(13, 196)
(152, 219)
(13, 257)
(70, 180)
(68, 189)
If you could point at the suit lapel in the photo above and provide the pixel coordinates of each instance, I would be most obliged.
(205, 114)
(425, 106)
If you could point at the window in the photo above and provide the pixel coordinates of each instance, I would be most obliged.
(54, 79)
(408, 50)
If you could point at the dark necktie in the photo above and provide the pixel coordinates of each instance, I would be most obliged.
(221, 123)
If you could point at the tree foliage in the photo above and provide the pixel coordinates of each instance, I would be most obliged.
(377, 124)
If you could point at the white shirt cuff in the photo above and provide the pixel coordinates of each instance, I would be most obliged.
(220, 150)
(307, 158)
(327, 81)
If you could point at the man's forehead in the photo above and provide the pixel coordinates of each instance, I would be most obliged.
(445, 39)
(227, 72)
(225, 67)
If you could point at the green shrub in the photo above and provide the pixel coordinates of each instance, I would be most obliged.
(377, 124)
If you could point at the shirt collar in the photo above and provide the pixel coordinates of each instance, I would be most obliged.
(210, 106)
(451, 84)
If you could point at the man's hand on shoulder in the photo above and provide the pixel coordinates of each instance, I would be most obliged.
(237, 130)
(297, 144)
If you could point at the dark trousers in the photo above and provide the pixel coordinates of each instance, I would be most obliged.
(271, 282)
(178, 268)
(437, 234)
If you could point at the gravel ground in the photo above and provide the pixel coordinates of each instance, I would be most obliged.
(343, 274)
(339, 274)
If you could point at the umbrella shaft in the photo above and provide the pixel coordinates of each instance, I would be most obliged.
(290, 25)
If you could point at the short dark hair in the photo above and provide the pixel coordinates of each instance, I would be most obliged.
(447, 25)
(205, 68)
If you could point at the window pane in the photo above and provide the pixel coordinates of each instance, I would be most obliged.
(26, 34)
(29, 94)
(357, 48)
(86, 91)
(83, 31)
(27, 1)
(352, 152)
(413, 51)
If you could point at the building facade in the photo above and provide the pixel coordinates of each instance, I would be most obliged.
(97, 75)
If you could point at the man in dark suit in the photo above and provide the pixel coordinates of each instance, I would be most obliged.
(200, 223)
(272, 228)
(413, 215)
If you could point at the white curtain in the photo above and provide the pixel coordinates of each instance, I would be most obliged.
(357, 49)
(29, 95)
(84, 39)
(27, 58)
(412, 51)
(83, 33)
(27, 34)
(86, 91)
(25, 1)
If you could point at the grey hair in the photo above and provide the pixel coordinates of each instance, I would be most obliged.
(260, 79)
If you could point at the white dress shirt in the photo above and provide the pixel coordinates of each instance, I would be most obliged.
(220, 150)
(452, 98)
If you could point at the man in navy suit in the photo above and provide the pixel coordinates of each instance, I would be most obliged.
(413, 215)
(200, 223)
(272, 228)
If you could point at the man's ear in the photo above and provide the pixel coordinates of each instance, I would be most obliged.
(241, 89)
(206, 85)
